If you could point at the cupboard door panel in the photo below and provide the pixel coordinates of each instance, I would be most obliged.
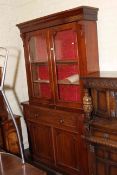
(66, 150)
(41, 138)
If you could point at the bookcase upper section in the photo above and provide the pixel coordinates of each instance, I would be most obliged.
(59, 48)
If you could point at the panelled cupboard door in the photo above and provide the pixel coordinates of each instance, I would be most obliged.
(65, 57)
(39, 66)
(41, 139)
(66, 151)
(105, 161)
(102, 160)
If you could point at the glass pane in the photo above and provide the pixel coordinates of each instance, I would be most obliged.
(40, 72)
(68, 74)
(38, 48)
(69, 92)
(65, 45)
(42, 90)
(40, 80)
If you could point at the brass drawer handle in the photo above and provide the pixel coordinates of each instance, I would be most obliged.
(36, 115)
(106, 136)
(61, 121)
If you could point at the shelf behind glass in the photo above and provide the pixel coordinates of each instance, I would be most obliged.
(36, 61)
(67, 61)
(67, 83)
(41, 81)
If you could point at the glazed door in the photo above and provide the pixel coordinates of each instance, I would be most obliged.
(39, 67)
(41, 142)
(64, 48)
(66, 151)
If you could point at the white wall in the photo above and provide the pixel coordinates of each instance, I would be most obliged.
(16, 11)
(107, 24)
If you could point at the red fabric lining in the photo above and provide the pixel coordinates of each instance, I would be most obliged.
(65, 45)
(69, 92)
(45, 90)
(64, 71)
(41, 48)
(43, 73)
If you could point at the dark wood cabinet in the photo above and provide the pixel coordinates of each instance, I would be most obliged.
(101, 123)
(59, 49)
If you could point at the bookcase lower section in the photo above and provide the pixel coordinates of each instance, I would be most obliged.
(55, 139)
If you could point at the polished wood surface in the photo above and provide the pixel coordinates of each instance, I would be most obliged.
(101, 126)
(12, 165)
(102, 75)
(9, 136)
(57, 47)
(76, 14)
(59, 139)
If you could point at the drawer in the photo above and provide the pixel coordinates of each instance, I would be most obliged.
(54, 117)
(103, 134)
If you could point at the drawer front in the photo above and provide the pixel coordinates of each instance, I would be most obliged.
(54, 117)
(103, 134)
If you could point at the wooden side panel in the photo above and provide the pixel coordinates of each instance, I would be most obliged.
(88, 47)
(106, 163)
(101, 102)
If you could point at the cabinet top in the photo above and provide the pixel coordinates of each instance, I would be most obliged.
(102, 79)
(71, 15)
(101, 75)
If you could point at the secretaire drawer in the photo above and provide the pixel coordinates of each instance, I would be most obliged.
(103, 134)
(54, 117)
